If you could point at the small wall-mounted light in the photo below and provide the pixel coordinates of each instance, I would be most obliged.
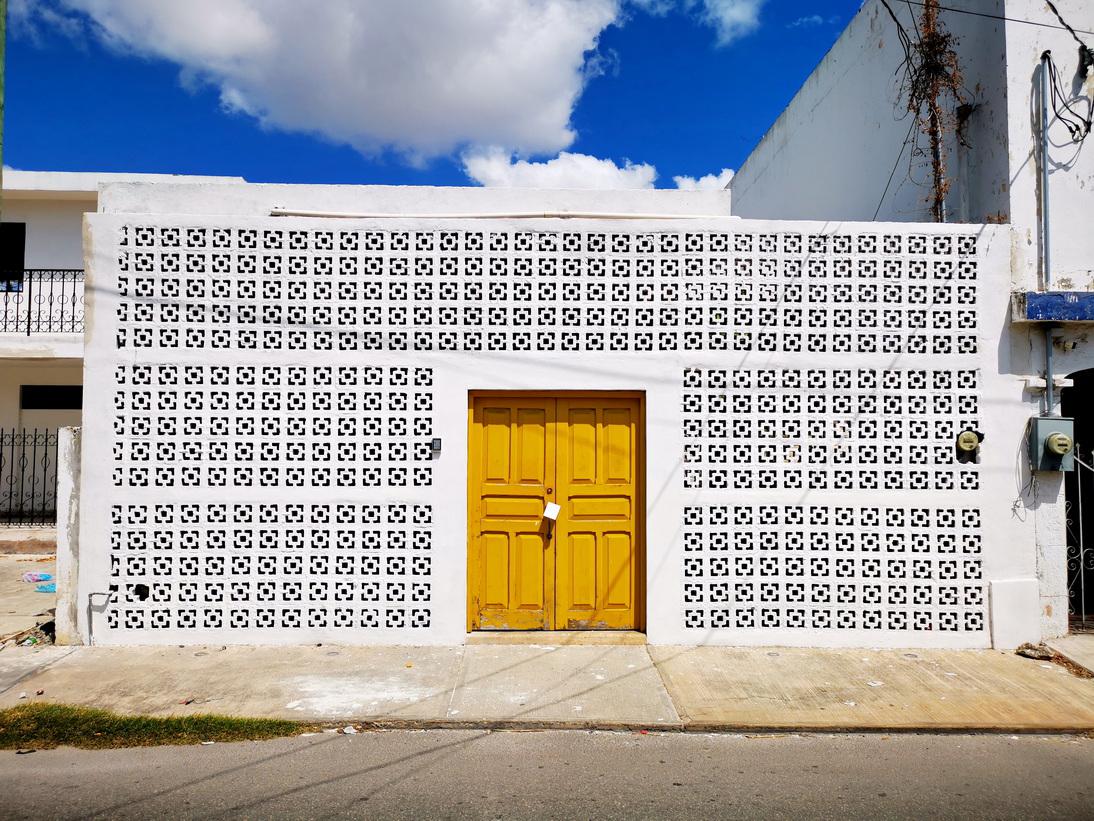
(435, 446)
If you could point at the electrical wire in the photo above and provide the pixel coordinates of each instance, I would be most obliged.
(1064, 27)
(907, 139)
(901, 33)
(1064, 23)
(1077, 125)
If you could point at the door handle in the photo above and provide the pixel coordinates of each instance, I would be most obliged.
(550, 513)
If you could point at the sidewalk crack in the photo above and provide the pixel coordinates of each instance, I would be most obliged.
(681, 713)
(456, 683)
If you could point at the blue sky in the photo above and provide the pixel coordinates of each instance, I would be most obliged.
(107, 85)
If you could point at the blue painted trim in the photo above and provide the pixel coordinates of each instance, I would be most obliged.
(1059, 306)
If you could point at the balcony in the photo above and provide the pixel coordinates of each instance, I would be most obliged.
(42, 301)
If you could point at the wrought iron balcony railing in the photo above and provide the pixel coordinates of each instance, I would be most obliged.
(42, 301)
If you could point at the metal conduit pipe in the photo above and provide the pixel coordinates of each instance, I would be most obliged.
(1050, 387)
(1046, 255)
(1046, 252)
(599, 215)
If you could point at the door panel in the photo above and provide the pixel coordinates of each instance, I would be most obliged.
(596, 535)
(583, 454)
(512, 447)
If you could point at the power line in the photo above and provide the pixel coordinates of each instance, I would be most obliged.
(892, 173)
(1008, 19)
(1064, 23)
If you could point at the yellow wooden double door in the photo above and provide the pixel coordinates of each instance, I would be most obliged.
(581, 572)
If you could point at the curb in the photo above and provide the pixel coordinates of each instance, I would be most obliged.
(703, 727)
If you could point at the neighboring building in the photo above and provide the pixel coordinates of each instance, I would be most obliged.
(841, 151)
(841, 148)
(42, 326)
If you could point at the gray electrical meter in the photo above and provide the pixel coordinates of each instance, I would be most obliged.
(1052, 443)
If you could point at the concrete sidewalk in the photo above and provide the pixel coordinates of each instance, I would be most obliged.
(567, 686)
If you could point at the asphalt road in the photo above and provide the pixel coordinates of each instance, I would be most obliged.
(471, 774)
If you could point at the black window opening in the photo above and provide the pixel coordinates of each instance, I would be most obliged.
(51, 397)
(13, 251)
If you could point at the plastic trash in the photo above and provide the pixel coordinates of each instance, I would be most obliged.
(46, 588)
(37, 577)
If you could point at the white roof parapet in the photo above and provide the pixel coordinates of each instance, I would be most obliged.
(495, 215)
(391, 201)
(85, 185)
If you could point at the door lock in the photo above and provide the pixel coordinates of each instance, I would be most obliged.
(550, 514)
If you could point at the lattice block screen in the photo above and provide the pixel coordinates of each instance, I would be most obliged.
(838, 429)
(272, 426)
(289, 290)
(842, 567)
(274, 394)
(268, 565)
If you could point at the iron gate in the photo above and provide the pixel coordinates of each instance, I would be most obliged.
(1080, 555)
(28, 477)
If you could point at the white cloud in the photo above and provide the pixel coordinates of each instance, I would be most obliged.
(811, 21)
(27, 18)
(806, 22)
(731, 19)
(496, 168)
(708, 182)
(422, 78)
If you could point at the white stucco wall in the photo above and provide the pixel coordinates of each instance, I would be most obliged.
(736, 281)
(17, 372)
(54, 230)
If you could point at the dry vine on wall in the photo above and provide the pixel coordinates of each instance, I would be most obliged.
(932, 87)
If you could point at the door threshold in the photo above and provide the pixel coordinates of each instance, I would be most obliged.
(619, 638)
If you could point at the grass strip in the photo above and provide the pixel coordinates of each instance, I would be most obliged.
(44, 726)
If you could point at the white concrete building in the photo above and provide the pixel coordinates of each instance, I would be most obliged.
(348, 426)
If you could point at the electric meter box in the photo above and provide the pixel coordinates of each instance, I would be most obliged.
(1052, 443)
